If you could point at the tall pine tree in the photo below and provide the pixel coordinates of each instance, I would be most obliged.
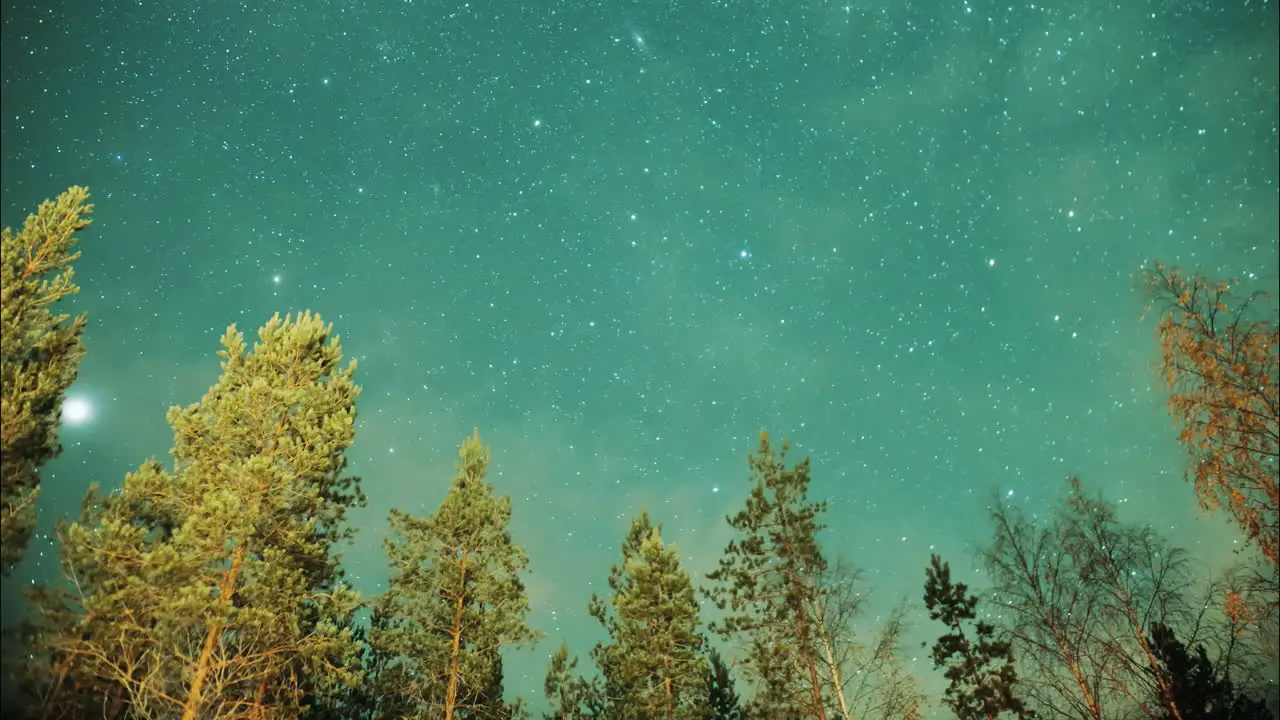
(211, 590)
(979, 669)
(453, 601)
(767, 581)
(40, 354)
(652, 665)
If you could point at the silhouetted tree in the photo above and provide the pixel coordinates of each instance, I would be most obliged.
(1221, 364)
(1079, 590)
(1199, 690)
(979, 667)
(722, 696)
(40, 354)
(767, 581)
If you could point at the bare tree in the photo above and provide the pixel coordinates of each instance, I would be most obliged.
(1083, 591)
(1139, 580)
(865, 680)
(1049, 615)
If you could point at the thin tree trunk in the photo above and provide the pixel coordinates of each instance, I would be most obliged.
(831, 663)
(455, 661)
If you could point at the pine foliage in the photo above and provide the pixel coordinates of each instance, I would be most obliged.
(652, 665)
(211, 590)
(41, 354)
(767, 582)
(979, 669)
(1200, 690)
(722, 696)
(571, 696)
(453, 601)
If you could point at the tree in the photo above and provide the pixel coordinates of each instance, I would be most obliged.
(211, 590)
(980, 672)
(722, 696)
(571, 696)
(654, 655)
(1200, 690)
(349, 701)
(41, 355)
(1080, 592)
(866, 680)
(1222, 367)
(1140, 579)
(766, 581)
(454, 600)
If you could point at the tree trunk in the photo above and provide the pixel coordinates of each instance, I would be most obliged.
(836, 680)
(455, 660)
(191, 709)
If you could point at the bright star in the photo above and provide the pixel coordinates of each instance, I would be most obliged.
(77, 411)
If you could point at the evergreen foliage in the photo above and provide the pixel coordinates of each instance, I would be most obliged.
(40, 354)
(722, 696)
(211, 590)
(1200, 691)
(767, 583)
(571, 696)
(453, 601)
(652, 665)
(980, 672)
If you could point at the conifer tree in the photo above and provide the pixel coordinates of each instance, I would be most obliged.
(1201, 691)
(767, 582)
(454, 600)
(722, 696)
(652, 665)
(979, 670)
(40, 354)
(571, 696)
(211, 590)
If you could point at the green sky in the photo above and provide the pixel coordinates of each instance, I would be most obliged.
(622, 238)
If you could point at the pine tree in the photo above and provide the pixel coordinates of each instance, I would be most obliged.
(654, 656)
(349, 701)
(767, 581)
(41, 354)
(980, 671)
(211, 591)
(722, 696)
(571, 696)
(1200, 691)
(453, 601)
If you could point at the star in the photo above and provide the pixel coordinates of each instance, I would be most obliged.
(77, 410)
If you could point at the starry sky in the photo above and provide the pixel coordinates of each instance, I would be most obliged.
(623, 237)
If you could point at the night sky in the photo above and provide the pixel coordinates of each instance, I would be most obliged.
(622, 238)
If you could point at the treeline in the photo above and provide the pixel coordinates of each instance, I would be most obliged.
(213, 588)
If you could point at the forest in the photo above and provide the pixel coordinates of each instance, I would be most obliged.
(212, 587)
